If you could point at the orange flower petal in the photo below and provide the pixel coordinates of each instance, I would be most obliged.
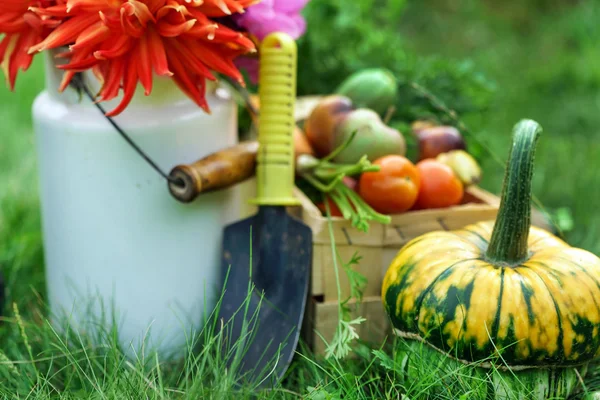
(154, 5)
(112, 22)
(130, 26)
(167, 30)
(13, 24)
(7, 48)
(66, 33)
(59, 11)
(115, 68)
(140, 11)
(184, 81)
(158, 54)
(91, 6)
(186, 57)
(80, 65)
(174, 10)
(215, 61)
(145, 64)
(121, 45)
(130, 81)
(78, 61)
(220, 8)
(3, 48)
(93, 35)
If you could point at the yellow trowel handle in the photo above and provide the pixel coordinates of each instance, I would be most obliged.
(277, 93)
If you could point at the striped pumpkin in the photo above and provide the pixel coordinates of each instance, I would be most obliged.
(499, 288)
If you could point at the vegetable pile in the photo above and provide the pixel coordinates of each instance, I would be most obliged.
(354, 164)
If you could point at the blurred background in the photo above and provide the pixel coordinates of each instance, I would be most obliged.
(493, 62)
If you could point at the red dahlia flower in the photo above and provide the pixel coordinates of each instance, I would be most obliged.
(128, 41)
(22, 29)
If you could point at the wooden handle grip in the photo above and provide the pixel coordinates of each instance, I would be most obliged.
(216, 171)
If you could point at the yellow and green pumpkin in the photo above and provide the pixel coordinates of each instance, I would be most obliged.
(499, 288)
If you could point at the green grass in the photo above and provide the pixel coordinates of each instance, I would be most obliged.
(546, 66)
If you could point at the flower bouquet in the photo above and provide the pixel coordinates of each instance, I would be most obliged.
(114, 239)
(127, 42)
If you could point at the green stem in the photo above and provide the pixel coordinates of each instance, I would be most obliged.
(360, 203)
(341, 148)
(342, 203)
(320, 186)
(331, 171)
(326, 170)
(306, 163)
(508, 245)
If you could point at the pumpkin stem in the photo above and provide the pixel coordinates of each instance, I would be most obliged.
(508, 244)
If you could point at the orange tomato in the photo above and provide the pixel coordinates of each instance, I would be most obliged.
(394, 188)
(439, 186)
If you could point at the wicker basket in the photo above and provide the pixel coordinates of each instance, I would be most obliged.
(376, 248)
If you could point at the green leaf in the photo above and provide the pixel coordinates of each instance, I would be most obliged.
(384, 360)
(318, 394)
(358, 282)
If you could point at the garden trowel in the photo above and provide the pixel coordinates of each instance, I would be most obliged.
(267, 258)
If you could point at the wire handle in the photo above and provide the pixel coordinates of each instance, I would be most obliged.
(277, 93)
(79, 85)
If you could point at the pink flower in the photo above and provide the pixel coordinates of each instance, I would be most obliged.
(274, 16)
(267, 17)
(250, 65)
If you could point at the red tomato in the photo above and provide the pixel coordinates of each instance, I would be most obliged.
(333, 208)
(394, 188)
(439, 186)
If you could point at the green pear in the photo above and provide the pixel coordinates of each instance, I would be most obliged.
(373, 137)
